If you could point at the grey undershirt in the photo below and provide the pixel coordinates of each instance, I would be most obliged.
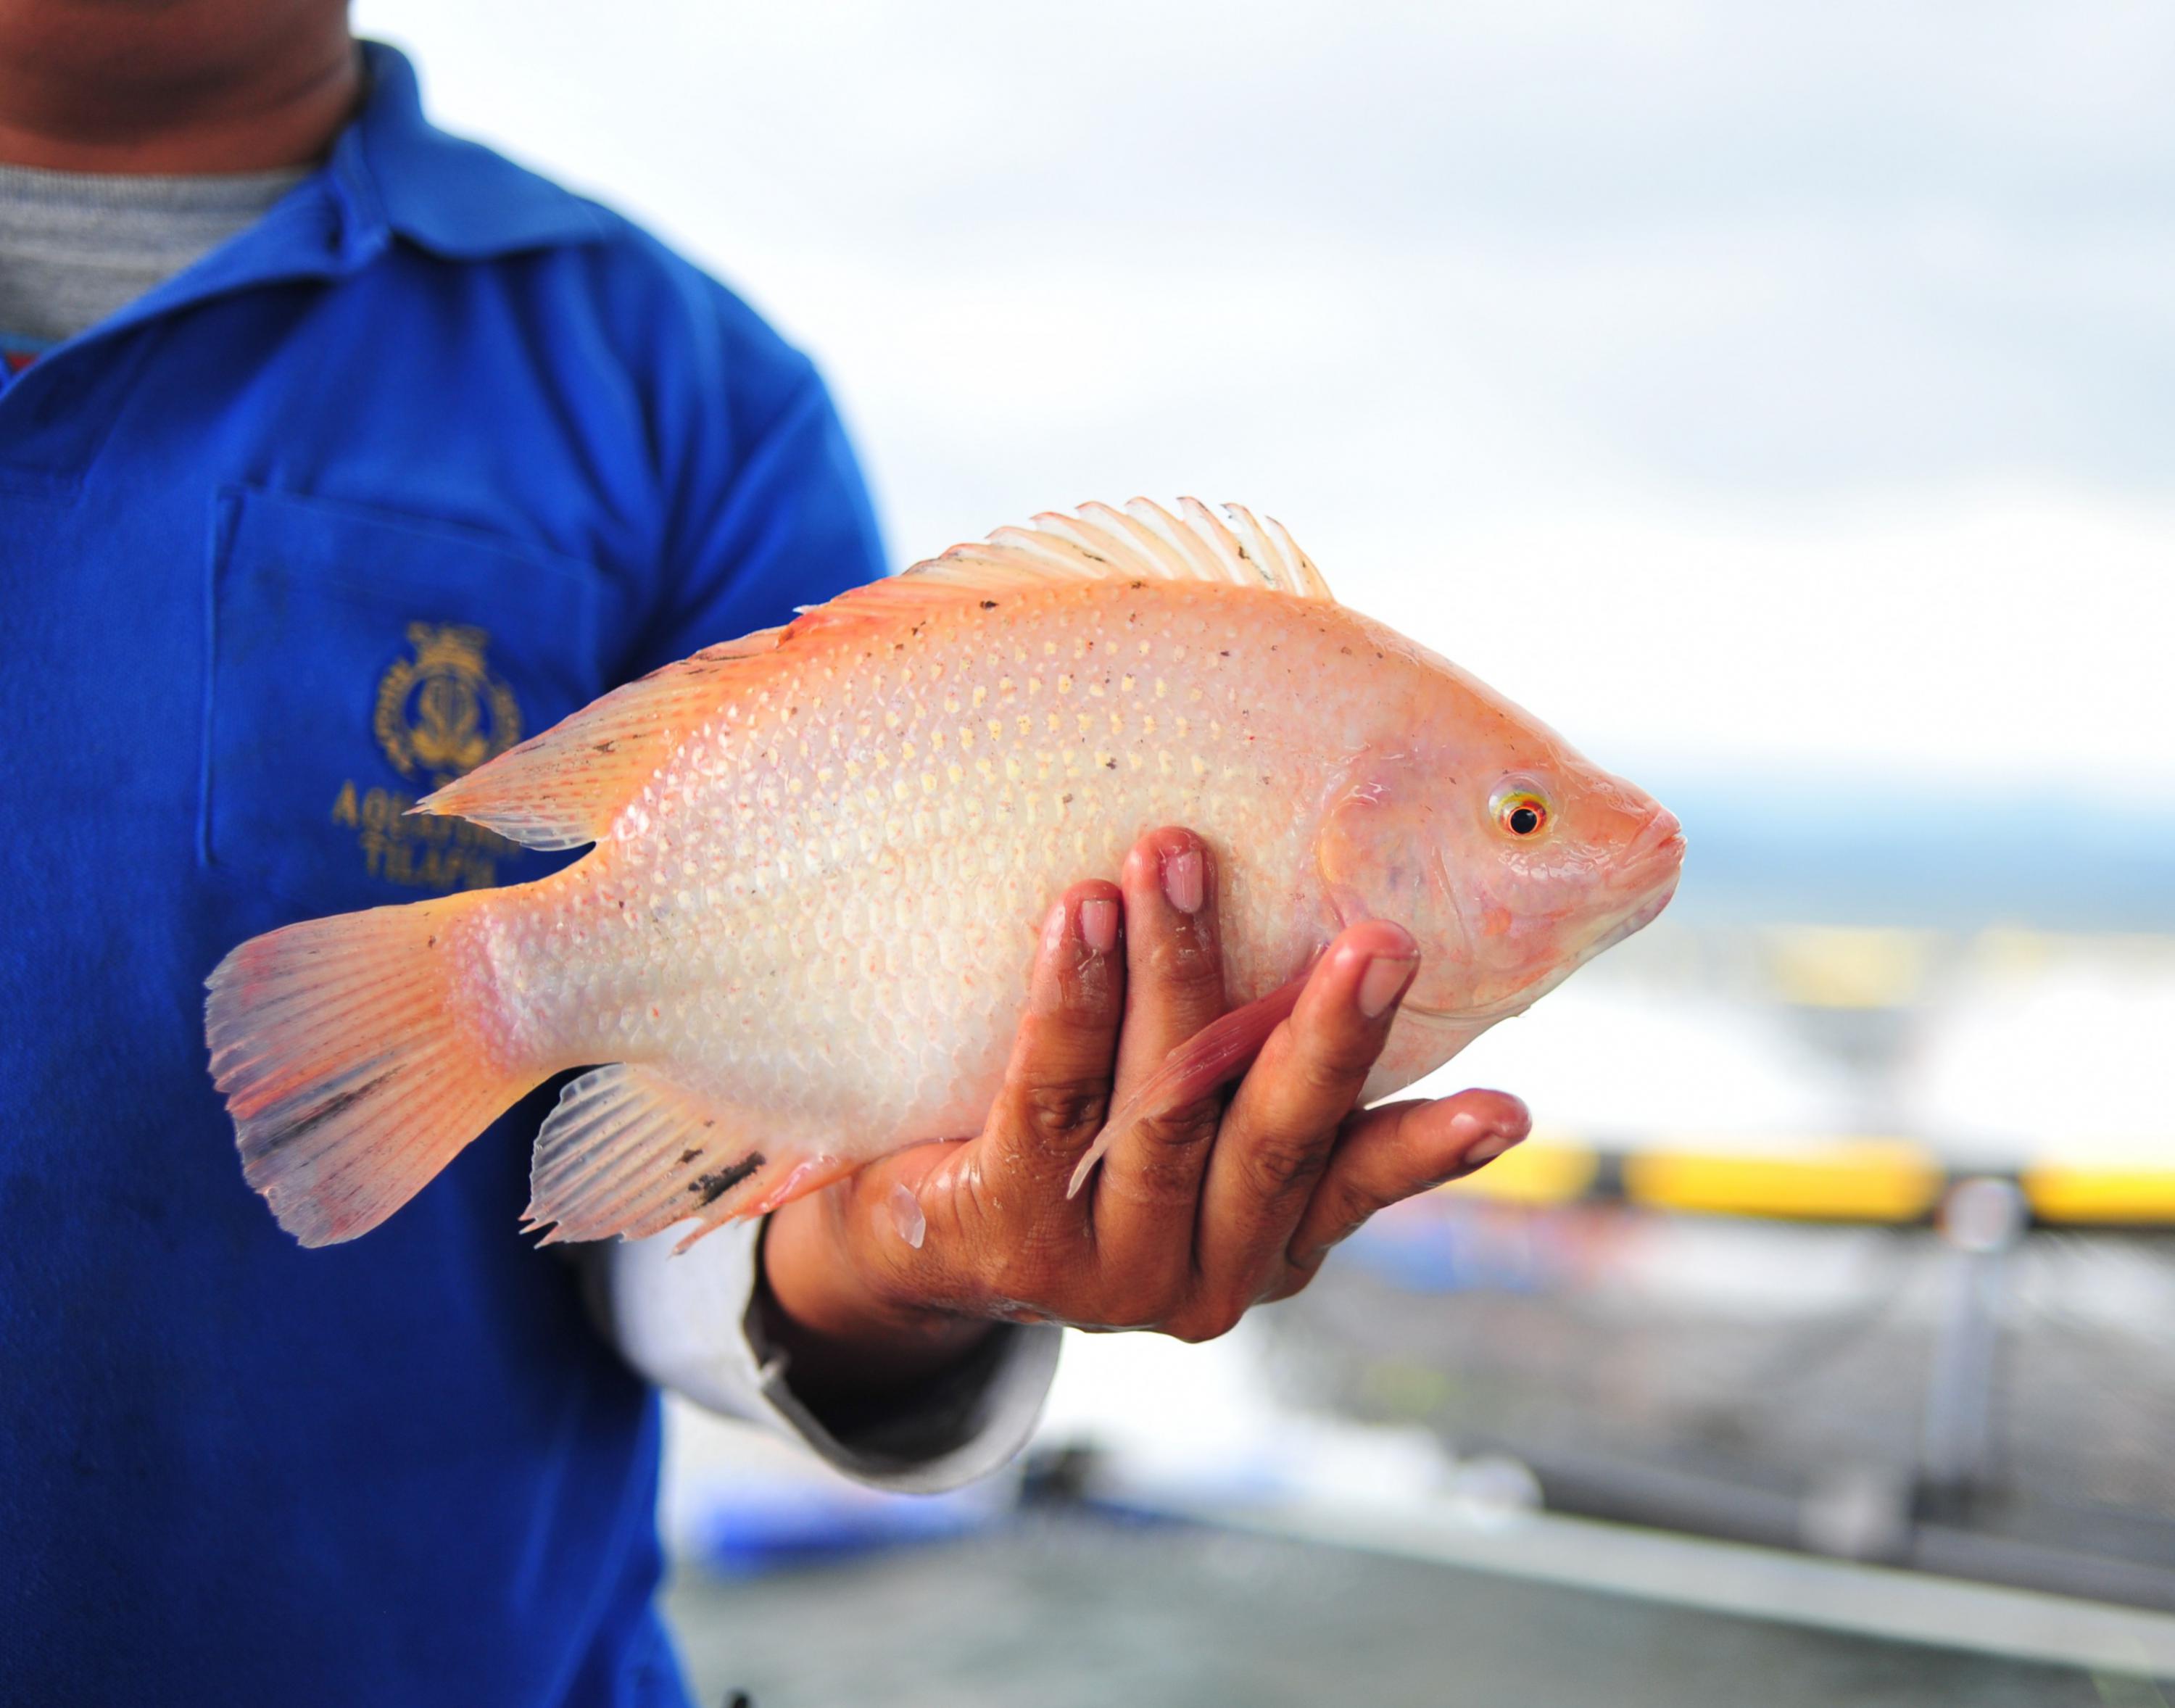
(76, 247)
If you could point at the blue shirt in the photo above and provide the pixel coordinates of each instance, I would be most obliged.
(423, 462)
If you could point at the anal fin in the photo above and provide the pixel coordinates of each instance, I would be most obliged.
(629, 1151)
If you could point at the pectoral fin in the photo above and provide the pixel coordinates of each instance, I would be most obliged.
(1220, 1051)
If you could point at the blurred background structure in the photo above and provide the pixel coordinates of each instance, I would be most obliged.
(1780, 401)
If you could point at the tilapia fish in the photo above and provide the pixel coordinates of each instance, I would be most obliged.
(822, 853)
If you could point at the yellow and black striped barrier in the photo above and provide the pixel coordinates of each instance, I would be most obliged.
(1885, 1181)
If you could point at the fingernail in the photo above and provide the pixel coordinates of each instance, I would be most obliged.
(1098, 924)
(1487, 1150)
(1184, 880)
(1483, 1143)
(1383, 983)
(906, 1218)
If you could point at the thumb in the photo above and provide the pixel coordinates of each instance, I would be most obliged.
(914, 1223)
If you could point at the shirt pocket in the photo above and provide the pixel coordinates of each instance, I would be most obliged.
(360, 658)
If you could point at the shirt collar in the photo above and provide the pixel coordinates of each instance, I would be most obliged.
(397, 173)
(392, 174)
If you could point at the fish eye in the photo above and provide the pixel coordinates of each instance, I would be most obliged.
(1521, 811)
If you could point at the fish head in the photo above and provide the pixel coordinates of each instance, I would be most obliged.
(1511, 858)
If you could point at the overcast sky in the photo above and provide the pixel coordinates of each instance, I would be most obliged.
(1769, 387)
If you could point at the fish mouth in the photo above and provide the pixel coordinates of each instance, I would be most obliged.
(1516, 1003)
(1658, 848)
(1654, 863)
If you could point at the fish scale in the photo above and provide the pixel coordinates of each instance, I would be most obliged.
(743, 984)
(822, 855)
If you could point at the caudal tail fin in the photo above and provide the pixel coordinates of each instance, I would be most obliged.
(340, 1047)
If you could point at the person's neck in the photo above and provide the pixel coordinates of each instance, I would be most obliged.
(72, 104)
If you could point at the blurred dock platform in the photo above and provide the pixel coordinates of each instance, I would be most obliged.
(1067, 1609)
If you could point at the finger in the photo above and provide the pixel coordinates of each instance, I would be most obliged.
(1277, 1137)
(957, 1224)
(1389, 1154)
(1175, 965)
(1150, 1181)
(859, 1298)
(913, 1227)
(1057, 1086)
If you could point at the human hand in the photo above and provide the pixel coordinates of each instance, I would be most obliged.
(1195, 1214)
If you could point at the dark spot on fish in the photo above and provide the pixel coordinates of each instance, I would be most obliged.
(1137, 585)
(689, 1156)
(1065, 800)
(1093, 556)
(711, 1187)
(429, 942)
(611, 747)
(277, 1140)
(1109, 765)
(1225, 653)
(988, 605)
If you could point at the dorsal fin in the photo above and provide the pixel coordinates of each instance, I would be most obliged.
(1097, 542)
(1143, 541)
(565, 787)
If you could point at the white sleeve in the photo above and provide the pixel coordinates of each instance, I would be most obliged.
(687, 1323)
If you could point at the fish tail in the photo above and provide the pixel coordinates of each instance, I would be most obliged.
(342, 1048)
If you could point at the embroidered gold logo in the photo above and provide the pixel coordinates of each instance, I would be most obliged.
(442, 713)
